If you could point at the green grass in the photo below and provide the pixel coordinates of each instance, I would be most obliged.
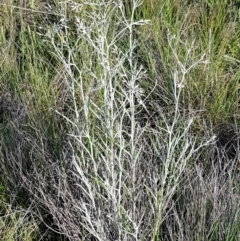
(119, 118)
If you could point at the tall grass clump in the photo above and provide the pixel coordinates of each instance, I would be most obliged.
(117, 121)
(214, 28)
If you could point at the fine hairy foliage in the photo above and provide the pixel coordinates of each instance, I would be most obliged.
(119, 120)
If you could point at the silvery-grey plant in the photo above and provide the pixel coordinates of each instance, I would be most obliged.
(123, 175)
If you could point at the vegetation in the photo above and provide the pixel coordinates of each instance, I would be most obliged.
(119, 120)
